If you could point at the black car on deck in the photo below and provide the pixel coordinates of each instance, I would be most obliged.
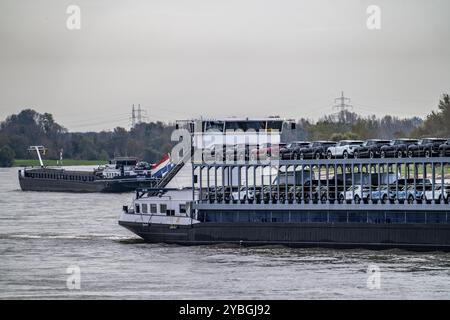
(427, 147)
(292, 150)
(444, 149)
(397, 148)
(371, 148)
(315, 150)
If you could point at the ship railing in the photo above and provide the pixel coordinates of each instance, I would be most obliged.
(141, 192)
(325, 183)
(169, 176)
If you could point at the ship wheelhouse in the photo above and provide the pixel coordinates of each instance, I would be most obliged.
(162, 202)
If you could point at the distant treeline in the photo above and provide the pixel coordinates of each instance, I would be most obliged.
(349, 125)
(149, 141)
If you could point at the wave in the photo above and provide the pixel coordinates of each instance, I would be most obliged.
(69, 237)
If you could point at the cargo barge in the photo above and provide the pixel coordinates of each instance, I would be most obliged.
(120, 175)
(375, 203)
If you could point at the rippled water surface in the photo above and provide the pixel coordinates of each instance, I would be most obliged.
(42, 234)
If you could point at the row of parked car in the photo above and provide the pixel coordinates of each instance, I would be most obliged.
(371, 148)
(420, 193)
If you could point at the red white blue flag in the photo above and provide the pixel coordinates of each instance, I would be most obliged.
(159, 169)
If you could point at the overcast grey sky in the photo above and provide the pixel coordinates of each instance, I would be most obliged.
(190, 58)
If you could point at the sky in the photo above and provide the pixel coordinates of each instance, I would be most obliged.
(183, 59)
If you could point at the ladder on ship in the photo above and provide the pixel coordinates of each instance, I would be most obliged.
(172, 173)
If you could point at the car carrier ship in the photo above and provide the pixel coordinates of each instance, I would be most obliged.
(373, 202)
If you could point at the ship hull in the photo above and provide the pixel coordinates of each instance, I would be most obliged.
(335, 235)
(108, 186)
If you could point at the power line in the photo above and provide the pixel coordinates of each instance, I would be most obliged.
(118, 121)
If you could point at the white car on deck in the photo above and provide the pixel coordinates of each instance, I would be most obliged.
(355, 193)
(438, 193)
(243, 194)
(343, 149)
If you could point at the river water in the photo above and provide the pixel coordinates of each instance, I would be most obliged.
(44, 234)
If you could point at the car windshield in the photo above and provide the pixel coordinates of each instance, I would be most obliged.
(369, 143)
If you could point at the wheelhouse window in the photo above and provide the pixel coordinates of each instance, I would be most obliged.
(153, 208)
(213, 125)
(170, 212)
(144, 208)
(137, 208)
(163, 208)
(275, 125)
(183, 208)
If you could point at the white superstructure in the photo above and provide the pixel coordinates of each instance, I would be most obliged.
(171, 207)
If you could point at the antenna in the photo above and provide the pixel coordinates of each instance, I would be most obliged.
(342, 103)
(61, 157)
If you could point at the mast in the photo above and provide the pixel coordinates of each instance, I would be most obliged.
(38, 150)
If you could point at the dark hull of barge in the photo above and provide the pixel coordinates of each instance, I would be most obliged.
(419, 237)
(57, 180)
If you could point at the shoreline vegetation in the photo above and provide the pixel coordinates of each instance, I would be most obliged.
(54, 163)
